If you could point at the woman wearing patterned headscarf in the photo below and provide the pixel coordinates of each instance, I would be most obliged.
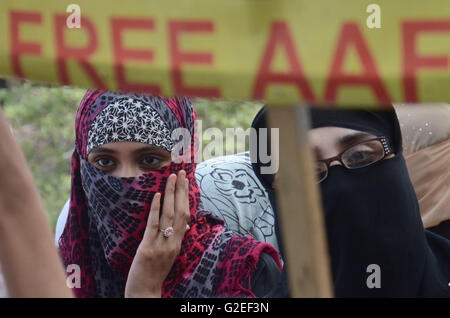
(111, 202)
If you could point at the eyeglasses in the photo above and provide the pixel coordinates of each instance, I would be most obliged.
(359, 155)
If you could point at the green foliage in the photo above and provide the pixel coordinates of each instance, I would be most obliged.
(42, 119)
(223, 114)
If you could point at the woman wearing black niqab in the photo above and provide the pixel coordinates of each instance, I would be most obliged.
(373, 221)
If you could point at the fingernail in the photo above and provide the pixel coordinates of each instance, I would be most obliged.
(186, 180)
(158, 195)
(183, 173)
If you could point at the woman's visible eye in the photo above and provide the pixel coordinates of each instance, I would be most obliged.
(151, 160)
(104, 162)
(359, 156)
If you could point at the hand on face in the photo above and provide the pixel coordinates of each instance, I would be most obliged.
(156, 253)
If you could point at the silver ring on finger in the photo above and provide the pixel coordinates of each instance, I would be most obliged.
(167, 232)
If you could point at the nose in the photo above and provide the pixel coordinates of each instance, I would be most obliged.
(335, 162)
(128, 171)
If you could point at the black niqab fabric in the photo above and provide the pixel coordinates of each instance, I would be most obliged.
(372, 217)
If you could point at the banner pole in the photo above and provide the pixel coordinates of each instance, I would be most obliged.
(300, 208)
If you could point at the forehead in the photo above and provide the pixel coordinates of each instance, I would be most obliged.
(331, 131)
(125, 147)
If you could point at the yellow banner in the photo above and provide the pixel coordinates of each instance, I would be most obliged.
(351, 52)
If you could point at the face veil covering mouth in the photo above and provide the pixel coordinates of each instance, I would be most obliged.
(373, 220)
(108, 215)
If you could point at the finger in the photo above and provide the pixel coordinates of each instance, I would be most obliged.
(152, 227)
(180, 188)
(187, 212)
(168, 211)
(181, 203)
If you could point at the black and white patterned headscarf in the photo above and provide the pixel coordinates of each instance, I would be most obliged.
(129, 119)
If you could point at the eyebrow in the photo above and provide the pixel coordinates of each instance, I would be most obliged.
(345, 141)
(352, 138)
(317, 151)
(148, 148)
(101, 149)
